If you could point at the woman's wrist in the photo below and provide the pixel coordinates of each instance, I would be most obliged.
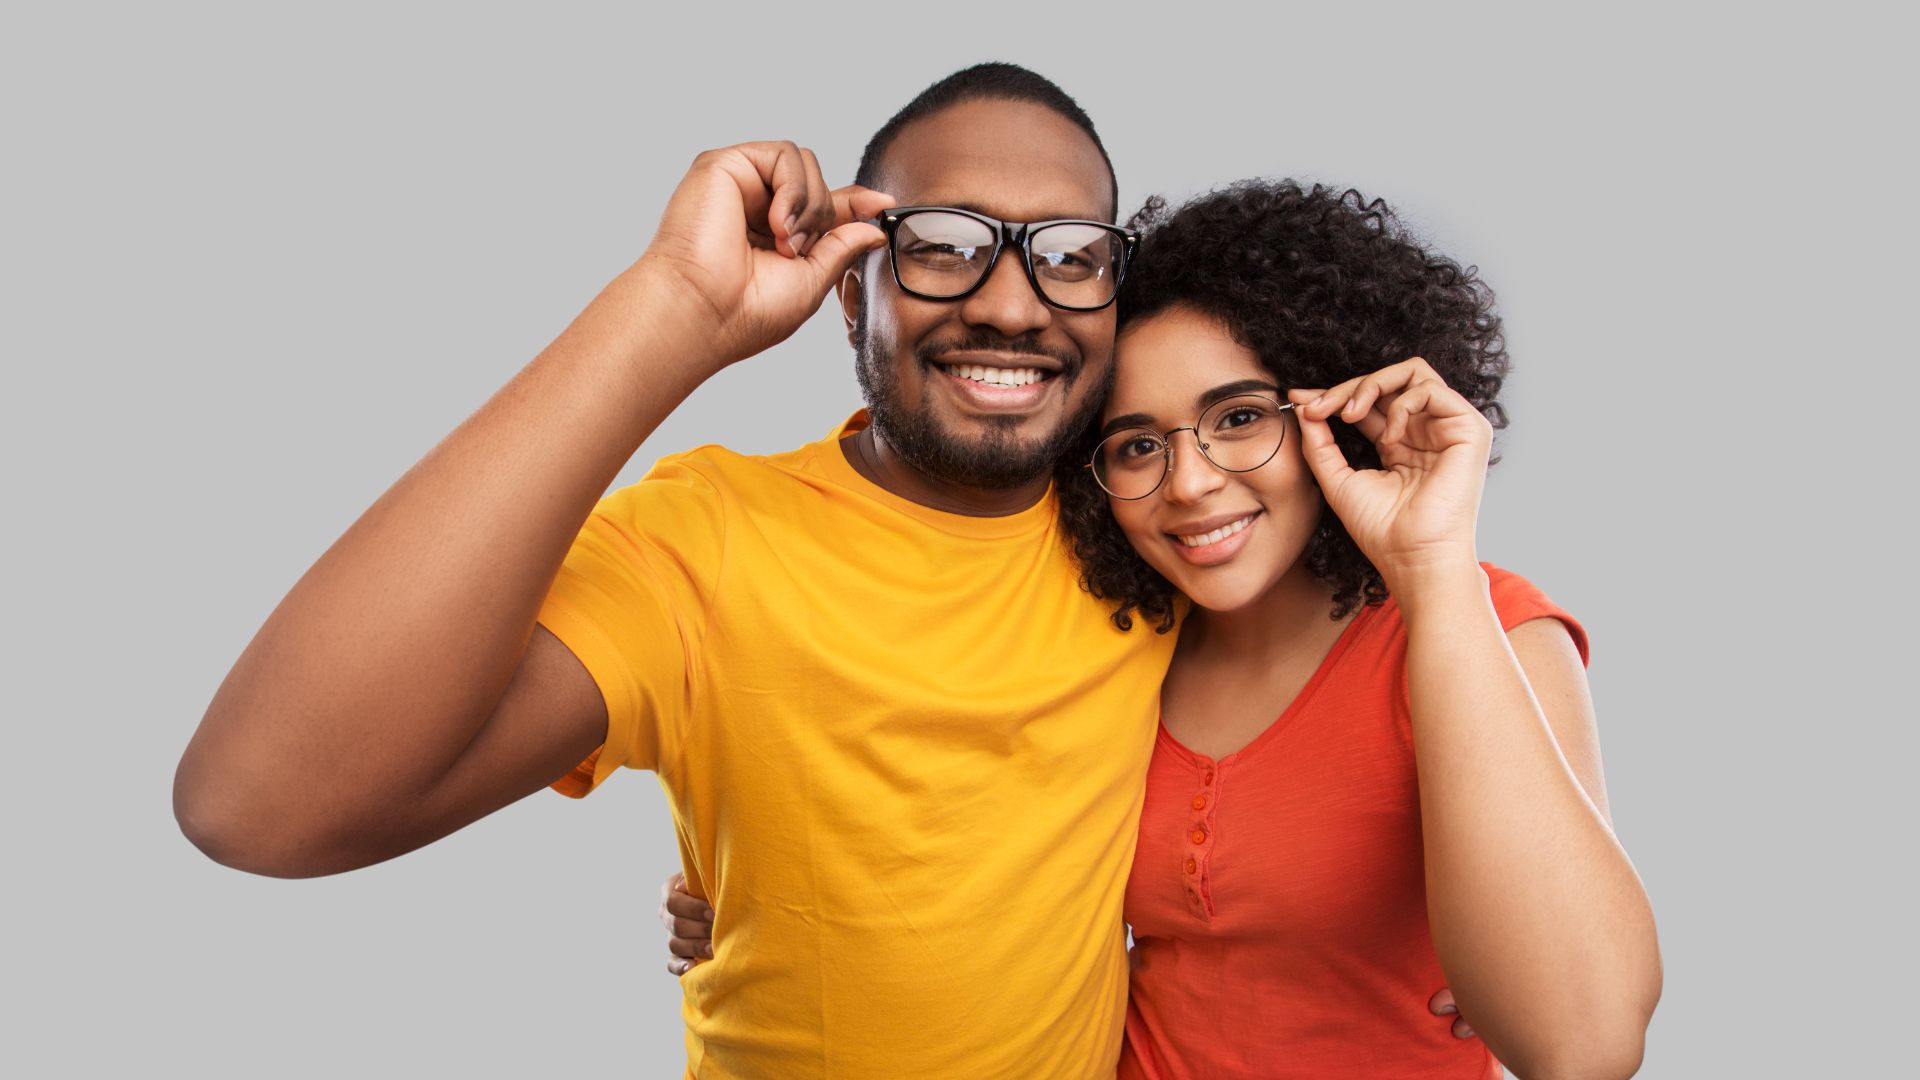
(1435, 583)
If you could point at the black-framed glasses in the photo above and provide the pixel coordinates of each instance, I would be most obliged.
(941, 253)
(1237, 434)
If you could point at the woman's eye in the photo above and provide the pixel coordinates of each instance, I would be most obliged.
(1240, 417)
(1135, 449)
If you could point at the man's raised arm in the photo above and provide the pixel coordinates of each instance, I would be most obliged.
(401, 690)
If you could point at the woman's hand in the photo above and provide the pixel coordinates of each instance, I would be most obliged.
(1417, 512)
(689, 923)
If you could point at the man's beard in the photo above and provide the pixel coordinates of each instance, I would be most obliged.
(999, 459)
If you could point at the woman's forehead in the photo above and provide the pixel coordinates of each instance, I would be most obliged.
(1164, 363)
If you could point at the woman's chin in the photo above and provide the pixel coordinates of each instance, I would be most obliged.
(1221, 594)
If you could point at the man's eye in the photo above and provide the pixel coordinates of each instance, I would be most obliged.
(1070, 265)
(941, 253)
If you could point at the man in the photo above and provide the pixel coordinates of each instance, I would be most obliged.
(885, 715)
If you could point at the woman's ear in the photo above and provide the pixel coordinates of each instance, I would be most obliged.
(849, 292)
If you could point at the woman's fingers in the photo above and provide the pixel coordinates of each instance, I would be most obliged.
(686, 948)
(1324, 459)
(689, 923)
(685, 914)
(1400, 410)
(1369, 423)
(1356, 397)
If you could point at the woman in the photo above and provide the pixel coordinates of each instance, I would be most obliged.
(1377, 771)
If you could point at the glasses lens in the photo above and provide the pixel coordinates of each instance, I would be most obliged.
(1077, 266)
(941, 254)
(1130, 463)
(1242, 433)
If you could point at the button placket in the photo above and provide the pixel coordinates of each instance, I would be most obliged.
(1200, 846)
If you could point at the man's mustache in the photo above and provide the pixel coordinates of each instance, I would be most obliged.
(988, 342)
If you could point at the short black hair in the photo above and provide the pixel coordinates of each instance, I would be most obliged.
(983, 82)
(1322, 284)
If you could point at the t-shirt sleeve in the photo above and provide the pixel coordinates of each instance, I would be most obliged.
(1517, 600)
(631, 603)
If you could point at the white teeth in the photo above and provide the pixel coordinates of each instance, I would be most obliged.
(993, 376)
(1218, 534)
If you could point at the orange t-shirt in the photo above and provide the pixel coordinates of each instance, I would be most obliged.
(1278, 900)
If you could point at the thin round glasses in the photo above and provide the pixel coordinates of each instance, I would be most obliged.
(940, 253)
(1237, 434)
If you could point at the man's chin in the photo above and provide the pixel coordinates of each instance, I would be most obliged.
(980, 452)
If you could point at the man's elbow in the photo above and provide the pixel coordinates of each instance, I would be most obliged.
(252, 838)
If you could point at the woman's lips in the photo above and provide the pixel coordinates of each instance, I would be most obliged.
(1218, 544)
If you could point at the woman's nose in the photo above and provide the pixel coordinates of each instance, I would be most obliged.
(1190, 476)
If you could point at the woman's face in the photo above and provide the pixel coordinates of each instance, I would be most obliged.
(1168, 369)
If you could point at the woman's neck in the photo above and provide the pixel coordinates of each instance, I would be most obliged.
(1289, 619)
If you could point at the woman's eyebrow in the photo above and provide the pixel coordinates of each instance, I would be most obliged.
(1217, 394)
(1235, 389)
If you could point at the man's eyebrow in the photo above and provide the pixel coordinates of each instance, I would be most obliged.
(976, 208)
(1210, 397)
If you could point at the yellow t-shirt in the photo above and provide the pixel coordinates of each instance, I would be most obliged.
(905, 755)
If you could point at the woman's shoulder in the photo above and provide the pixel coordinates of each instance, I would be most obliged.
(1517, 600)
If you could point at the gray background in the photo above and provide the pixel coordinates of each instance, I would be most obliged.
(256, 264)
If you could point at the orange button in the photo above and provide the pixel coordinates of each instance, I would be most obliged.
(1199, 802)
(1207, 777)
(1192, 867)
(1199, 836)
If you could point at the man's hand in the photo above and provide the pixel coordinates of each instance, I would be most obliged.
(1442, 1005)
(689, 923)
(756, 237)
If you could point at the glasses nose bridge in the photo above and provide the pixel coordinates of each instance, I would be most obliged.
(1166, 441)
(1009, 257)
(1169, 469)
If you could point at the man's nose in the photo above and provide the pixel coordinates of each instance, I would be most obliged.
(1006, 300)
(1190, 476)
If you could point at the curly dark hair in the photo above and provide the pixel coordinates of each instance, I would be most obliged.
(1322, 285)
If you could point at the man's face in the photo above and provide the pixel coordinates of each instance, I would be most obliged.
(921, 362)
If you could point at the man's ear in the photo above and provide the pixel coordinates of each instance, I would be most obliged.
(849, 293)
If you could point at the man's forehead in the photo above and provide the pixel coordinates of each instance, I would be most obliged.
(1011, 160)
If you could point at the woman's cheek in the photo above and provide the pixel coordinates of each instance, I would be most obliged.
(1137, 524)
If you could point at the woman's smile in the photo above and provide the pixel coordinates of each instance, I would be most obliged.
(1210, 541)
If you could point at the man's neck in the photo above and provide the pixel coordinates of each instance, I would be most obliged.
(872, 458)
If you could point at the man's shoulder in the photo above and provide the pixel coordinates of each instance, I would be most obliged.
(725, 475)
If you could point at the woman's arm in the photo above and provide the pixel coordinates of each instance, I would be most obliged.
(1538, 918)
(1539, 921)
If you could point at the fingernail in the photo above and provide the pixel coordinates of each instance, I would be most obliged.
(707, 949)
(706, 913)
(792, 221)
(1465, 1033)
(1316, 401)
(1448, 1010)
(798, 241)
